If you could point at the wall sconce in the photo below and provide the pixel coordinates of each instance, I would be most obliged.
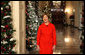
(67, 40)
(67, 10)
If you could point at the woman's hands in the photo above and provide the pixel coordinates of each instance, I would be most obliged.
(54, 47)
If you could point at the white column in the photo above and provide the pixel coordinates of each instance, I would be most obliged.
(80, 25)
(77, 14)
(18, 15)
(22, 28)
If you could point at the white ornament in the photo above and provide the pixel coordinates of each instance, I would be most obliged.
(4, 42)
(9, 3)
(13, 49)
(12, 39)
(28, 19)
(30, 16)
(35, 28)
(2, 26)
(6, 17)
(29, 32)
(1, 42)
(1, 8)
(36, 20)
(30, 45)
(7, 7)
(34, 43)
(30, 6)
(5, 35)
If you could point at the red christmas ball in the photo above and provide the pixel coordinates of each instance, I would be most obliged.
(4, 14)
(4, 30)
(4, 49)
(27, 14)
(4, 39)
(6, 26)
(9, 52)
(26, 27)
(1, 48)
(8, 9)
(1, 11)
(2, 3)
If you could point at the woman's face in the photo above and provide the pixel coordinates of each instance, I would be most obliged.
(45, 18)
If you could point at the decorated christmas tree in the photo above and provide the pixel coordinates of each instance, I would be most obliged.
(32, 25)
(7, 39)
(82, 35)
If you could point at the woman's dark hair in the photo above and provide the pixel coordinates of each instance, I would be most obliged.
(45, 14)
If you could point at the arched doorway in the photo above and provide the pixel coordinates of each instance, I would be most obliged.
(58, 14)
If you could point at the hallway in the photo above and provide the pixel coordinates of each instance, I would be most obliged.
(68, 41)
(20, 21)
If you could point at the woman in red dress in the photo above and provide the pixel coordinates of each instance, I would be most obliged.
(46, 37)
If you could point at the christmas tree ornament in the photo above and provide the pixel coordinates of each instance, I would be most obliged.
(9, 3)
(5, 35)
(2, 12)
(13, 49)
(4, 42)
(1, 42)
(4, 30)
(6, 26)
(4, 49)
(12, 39)
(7, 7)
(1, 8)
(7, 17)
(5, 14)
(2, 26)
(2, 3)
